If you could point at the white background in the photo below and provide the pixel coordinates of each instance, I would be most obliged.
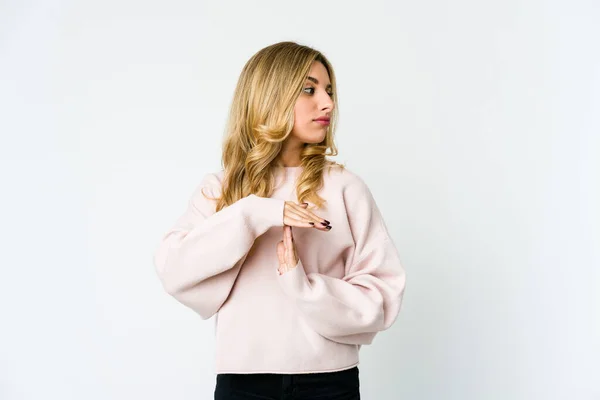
(474, 123)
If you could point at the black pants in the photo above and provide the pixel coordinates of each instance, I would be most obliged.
(340, 385)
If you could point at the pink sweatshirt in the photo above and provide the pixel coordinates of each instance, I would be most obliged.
(347, 286)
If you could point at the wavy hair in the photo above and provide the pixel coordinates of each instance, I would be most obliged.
(261, 117)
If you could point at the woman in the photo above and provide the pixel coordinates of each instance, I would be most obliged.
(286, 248)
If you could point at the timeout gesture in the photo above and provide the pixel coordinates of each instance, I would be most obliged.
(296, 215)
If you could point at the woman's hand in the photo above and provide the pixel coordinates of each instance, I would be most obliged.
(286, 251)
(297, 215)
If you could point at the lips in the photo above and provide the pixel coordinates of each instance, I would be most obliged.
(322, 121)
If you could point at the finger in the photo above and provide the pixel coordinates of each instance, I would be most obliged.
(297, 222)
(287, 259)
(284, 238)
(305, 221)
(299, 214)
(290, 240)
(301, 208)
(299, 211)
(307, 214)
(281, 252)
(288, 237)
(294, 249)
(291, 248)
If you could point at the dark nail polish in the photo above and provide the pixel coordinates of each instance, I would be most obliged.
(312, 223)
(327, 222)
(328, 227)
(323, 223)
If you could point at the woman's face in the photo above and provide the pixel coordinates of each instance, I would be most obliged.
(314, 102)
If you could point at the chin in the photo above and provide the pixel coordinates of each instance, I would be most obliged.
(310, 136)
(313, 139)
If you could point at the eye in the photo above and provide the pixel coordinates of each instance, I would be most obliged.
(313, 91)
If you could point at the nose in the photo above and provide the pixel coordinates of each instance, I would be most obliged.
(326, 103)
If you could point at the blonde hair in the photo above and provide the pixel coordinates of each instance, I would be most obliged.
(261, 117)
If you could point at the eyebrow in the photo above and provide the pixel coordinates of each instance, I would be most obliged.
(316, 81)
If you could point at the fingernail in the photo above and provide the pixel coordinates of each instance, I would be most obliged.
(324, 224)
(328, 227)
(327, 222)
(305, 204)
(312, 223)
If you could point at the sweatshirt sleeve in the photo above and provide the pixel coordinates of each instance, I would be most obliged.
(198, 259)
(368, 298)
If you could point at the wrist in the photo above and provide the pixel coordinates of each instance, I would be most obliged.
(286, 268)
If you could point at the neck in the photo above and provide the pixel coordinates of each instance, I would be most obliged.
(289, 156)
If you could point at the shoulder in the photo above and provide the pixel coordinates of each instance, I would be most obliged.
(358, 202)
(356, 196)
(209, 187)
(213, 180)
(345, 179)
